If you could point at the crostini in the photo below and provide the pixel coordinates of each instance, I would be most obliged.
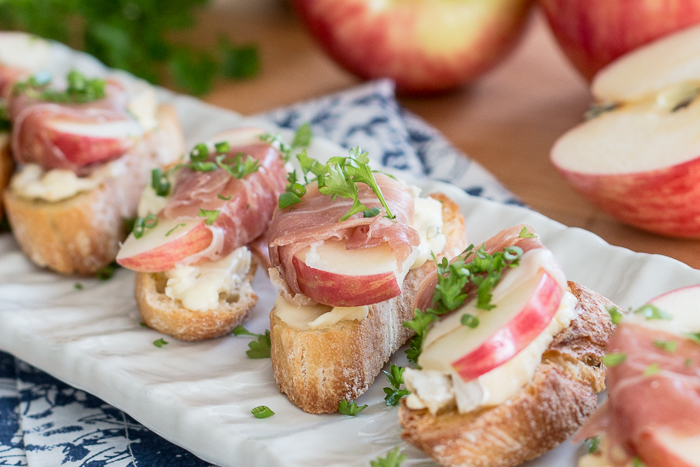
(348, 249)
(189, 244)
(652, 415)
(84, 149)
(509, 355)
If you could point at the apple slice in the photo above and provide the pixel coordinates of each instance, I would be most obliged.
(242, 136)
(518, 318)
(162, 247)
(84, 142)
(665, 448)
(332, 275)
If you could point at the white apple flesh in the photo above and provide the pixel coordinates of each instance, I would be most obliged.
(666, 448)
(332, 275)
(518, 318)
(165, 245)
(242, 136)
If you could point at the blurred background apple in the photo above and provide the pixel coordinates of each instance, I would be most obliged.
(423, 45)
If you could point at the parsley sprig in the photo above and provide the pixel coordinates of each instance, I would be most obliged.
(471, 270)
(302, 140)
(650, 311)
(350, 408)
(259, 348)
(80, 89)
(393, 458)
(4, 116)
(395, 393)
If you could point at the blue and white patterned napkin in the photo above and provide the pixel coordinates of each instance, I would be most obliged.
(44, 422)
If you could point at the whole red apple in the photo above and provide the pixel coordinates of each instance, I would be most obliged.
(593, 33)
(423, 45)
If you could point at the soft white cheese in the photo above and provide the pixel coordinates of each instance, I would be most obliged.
(199, 287)
(143, 104)
(150, 202)
(32, 182)
(315, 317)
(429, 389)
(499, 384)
(427, 220)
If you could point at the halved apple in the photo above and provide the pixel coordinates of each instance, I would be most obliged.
(162, 247)
(518, 318)
(85, 142)
(332, 275)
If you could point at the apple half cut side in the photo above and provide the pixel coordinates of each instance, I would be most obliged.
(85, 142)
(162, 247)
(502, 332)
(332, 275)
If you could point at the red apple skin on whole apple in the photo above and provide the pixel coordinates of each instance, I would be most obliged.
(593, 33)
(424, 46)
(344, 290)
(516, 334)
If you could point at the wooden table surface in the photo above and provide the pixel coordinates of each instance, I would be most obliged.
(507, 120)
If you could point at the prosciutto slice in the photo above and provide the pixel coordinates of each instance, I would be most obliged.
(642, 407)
(505, 238)
(245, 205)
(34, 141)
(315, 220)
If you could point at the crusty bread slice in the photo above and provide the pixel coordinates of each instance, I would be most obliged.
(168, 316)
(549, 409)
(319, 368)
(82, 234)
(6, 165)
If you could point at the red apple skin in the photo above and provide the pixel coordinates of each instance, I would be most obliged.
(664, 201)
(363, 40)
(343, 290)
(167, 255)
(593, 33)
(655, 452)
(516, 335)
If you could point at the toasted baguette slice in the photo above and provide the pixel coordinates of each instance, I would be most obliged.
(549, 409)
(168, 316)
(319, 368)
(6, 165)
(82, 234)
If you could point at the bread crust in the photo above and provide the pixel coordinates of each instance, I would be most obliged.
(319, 368)
(168, 316)
(82, 234)
(549, 409)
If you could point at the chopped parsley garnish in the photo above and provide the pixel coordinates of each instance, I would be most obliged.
(107, 272)
(650, 311)
(393, 459)
(302, 139)
(469, 320)
(350, 408)
(303, 136)
(637, 462)
(483, 272)
(259, 348)
(525, 234)
(80, 89)
(668, 346)
(225, 198)
(143, 223)
(160, 343)
(694, 336)
(395, 393)
(222, 147)
(173, 229)
(143, 324)
(210, 215)
(688, 362)
(5, 122)
(615, 315)
(236, 167)
(593, 444)
(160, 182)
(371, 212)
(262, 411)
(614, 359)
(652, 369)
(78, 286)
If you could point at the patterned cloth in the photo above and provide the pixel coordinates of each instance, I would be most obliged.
(44, 422)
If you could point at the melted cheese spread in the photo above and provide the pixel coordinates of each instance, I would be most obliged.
(312, 317)
(438, 390)
(200, 287)
(427, 220)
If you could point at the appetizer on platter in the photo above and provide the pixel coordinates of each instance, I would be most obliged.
(509, 354)
(85, 148)
(652, 415)
(349, 247)
(189, 243)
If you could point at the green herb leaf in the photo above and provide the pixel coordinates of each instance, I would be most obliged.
(615, 315)
(652, 369)
(688, 362)
(650, 311)
(192, 69)
(160, 342)
(288, 199)
(469, 320)
(199, 153)
(614, 359)
(236, 167)
(79, 89)
(143, 223)
(224, 197)
(222, 147)
(393, 459)
(637, 462)
(259, 348)
(668, 346)
(350, 408)
(210, 215)
(78, 286)
(420, 323)
(303, 136)
(238, 62)
(159, 182)
(395, 393)
(593, 444)
(262, 412)
(173, 229)
(694, 336)
(371, 212)
(143, 324)
(107, 272)
(525, 234)
(5, 122)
